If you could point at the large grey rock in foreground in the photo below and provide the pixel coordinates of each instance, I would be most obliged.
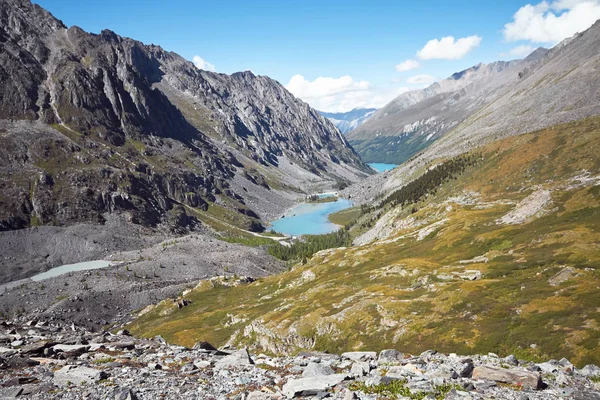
(72, 374)
(525, 379)
(311, 386)
(316, 369)
(238, 359)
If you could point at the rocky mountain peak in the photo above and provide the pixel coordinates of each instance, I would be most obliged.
(119, 119)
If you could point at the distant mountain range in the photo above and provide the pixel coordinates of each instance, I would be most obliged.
(488, 101)
(350, 120)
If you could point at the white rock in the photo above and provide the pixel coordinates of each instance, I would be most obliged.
(360, 355)
(76, 375)
(311, 386)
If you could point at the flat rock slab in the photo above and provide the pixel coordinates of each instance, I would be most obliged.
(72, 374)
(360, 355)
(238, 359)
(71, 348)
(311, 386)
(526, 379)
(37, 347)
(316, 369)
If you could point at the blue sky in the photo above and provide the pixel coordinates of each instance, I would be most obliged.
(362, 41)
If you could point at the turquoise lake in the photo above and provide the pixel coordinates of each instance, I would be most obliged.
(310, 219)
(63, 269)
(380, 167)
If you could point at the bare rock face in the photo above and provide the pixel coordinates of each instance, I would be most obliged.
(95, 124)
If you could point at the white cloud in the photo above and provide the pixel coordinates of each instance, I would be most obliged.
(447, 48)
(407, 65)
(341, 94)
(551, 22)
(520, 51)
(422, 79)
(201, 63)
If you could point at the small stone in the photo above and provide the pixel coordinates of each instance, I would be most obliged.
(512, 360)
(154, 366)
(123, 332)
(549, 367)
(202, 364)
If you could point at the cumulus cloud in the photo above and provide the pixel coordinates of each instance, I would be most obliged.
(201, 63)
(341, 94)
(447, 48)
(407, 65)
(551, 22)
(520, 51)
(422, 79)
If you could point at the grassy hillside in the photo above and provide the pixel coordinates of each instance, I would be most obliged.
(504, 257)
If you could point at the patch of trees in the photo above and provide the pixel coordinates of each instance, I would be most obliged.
(303, 250)
(427, 183)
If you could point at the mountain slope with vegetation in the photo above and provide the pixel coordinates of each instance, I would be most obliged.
(500, 254)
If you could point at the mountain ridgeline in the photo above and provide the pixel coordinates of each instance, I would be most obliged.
(350, 120)
(487, 102)
(94, 124)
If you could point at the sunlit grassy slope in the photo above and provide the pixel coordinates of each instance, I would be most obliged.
(452, 276)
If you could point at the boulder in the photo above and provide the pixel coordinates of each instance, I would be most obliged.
(316, 369)
(21, 362)
(525, 379)
(262, 396)
(360, 355)
(237, 359)
(360, 368)
(76, 375)
(204, 346)
(71, 350)
(37, 347)
(404, 370)
(465, 370)
(590, 370)
(311, 386)
(390, 355)
(512, 360)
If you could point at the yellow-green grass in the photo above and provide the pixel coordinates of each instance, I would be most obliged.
(345, 217)
(408, 294)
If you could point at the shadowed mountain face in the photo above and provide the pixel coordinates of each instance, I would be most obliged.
(350, 120)
(91, 124)
(487, 102)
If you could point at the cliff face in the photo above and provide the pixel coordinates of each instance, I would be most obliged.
(99, 123)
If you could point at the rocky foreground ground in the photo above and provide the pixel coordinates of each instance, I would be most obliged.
(39, 360)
